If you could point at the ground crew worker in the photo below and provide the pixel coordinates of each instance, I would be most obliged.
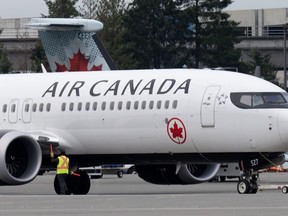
(63, 167)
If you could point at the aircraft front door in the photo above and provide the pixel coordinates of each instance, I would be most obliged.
(208, 106)
(26, 110)
(13, 111)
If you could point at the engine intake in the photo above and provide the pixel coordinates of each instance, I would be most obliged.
(20, 158)
(169, 174)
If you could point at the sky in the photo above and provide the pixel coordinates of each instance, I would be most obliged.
(34, 8)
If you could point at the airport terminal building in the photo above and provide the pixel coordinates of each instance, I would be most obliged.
(262, 29)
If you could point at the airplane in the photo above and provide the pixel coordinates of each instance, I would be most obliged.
(175, 125)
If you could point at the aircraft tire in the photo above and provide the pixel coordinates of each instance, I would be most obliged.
(284, 189)
(253, 187)
(243, 187)
(80, 185)
(57, 185)
(120, 174)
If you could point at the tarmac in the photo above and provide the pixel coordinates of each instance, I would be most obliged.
(131, 196)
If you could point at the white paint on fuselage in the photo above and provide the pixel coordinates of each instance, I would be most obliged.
(144, 130)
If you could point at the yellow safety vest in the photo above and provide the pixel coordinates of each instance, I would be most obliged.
(63, 165)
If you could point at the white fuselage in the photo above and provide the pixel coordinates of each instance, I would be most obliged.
(143, 112)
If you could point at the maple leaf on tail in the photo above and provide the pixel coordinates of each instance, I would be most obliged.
(78, 63)
(176, 131)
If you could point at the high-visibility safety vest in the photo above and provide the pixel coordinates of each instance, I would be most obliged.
(63, 165)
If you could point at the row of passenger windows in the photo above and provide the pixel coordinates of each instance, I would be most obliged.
(97, 106)
(42, 107)
(119, 105)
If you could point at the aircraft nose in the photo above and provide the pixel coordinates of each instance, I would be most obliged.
(283, 126)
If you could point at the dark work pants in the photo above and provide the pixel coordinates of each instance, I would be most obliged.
(62, 183)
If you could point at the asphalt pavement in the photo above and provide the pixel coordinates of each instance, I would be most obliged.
(130, 195)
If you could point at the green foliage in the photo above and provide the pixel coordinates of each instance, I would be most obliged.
(5, 64)
(56, 9)
(38, 57)
(89, 9)
(214, 35)
(110, 13)
(268, 71)
(153, 32)
(171, 33)
(62, 8)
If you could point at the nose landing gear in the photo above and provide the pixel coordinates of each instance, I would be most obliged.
(248, 183)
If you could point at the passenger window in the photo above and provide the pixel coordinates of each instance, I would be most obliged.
(79, 107)
(87, 106)
(41, 107)
(112, 104)
(143, 105)
(103, 107)
(13, 108)
(166, 105)
(95, 106)
(151, 104)
(175, 103)
(26, 108)
(159, 103)
(4, 109)
(120, 104)
(63, 107)
(34, 108)
(128, 105)
(48, 107)
(136, 105)
(71, 106)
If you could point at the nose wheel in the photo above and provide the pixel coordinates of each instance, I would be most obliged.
(248, 184)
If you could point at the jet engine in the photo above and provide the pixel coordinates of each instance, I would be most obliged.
(20, 158)
(177, 174)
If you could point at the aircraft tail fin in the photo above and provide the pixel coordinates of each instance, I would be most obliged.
(72, 44)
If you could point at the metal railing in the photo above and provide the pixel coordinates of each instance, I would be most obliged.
(21, 33)
(265, 32)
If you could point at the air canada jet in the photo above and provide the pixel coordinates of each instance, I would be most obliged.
(175, 125)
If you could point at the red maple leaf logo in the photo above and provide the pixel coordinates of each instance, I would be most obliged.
(176, 131)
(78, 63)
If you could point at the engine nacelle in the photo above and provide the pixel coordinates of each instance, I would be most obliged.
(173, 174)
(20, 158)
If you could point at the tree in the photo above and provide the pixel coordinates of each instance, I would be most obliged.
(62, 8)
(38, 57)
(268, 71)
(214, 35)
(110, 13)
(89, 9)
(5, 64)
(153, 32)
(56, 9)
(184, 32)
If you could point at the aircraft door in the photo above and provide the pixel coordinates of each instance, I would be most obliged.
(13, 111)
(26, 110)
(208, 106)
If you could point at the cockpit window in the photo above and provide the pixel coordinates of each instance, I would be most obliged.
(250, 100)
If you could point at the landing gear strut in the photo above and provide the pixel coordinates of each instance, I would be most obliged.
(248, 183)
